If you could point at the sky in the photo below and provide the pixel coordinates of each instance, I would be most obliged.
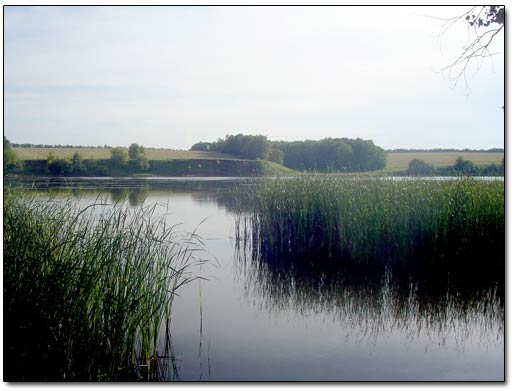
(173, 76)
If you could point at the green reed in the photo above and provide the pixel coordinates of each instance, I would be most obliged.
(88, 291)
(380, 222)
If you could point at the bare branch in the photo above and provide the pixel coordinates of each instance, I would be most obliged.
(478, 49)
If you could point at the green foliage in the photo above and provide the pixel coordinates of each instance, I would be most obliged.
(8, 152)
(86, 290)
(77, 164)
(11, 162)
(340, 155)
(137, 157)
(419, 167)
(201, 146)
(276, 156)
(325, 155)
(97, 167)
(141, 164)
(59, 166)
(119, 156)
(135, 151)
(467, 168)
(249, 147)
(462, 167)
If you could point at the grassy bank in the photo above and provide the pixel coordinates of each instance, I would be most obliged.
(425, 227)
(88, 293)
(175, 167)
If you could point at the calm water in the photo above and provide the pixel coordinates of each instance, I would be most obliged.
(247, 320)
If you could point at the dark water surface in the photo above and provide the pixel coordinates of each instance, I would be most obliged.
(251, 321)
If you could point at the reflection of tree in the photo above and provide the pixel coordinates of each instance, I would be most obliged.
(224, 198)
(137, 196)
(78, 192)
(118, 195)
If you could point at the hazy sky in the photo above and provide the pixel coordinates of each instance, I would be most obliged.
(173, 76)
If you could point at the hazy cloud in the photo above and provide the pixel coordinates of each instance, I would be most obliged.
(172, 76)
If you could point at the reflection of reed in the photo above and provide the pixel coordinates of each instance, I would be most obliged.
(162, 366)
(372, 305)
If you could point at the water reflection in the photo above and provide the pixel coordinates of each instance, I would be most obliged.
(135, 196)
(372, 306)
(134, 190)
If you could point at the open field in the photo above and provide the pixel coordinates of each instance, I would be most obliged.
(398, 161)
(105, 153)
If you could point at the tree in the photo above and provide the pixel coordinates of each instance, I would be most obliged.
(367, 156)
(201, 146)
(137, 157)
(77, 164)
(419, 167)
(249, 147)
(486, 22)
(58, 166)
(465, 167)
(11, 162)
(332, 154)
(276, 156)
(119, 156)
(135, 151)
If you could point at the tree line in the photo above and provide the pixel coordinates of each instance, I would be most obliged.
(419, 167)
(329, 154)
(122, 159)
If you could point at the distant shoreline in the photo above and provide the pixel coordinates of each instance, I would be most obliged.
(170, 163)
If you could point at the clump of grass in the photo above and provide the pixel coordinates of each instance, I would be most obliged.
(87, 293)
(421, 226)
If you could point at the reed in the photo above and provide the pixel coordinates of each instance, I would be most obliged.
(88, 291)
(422, 226)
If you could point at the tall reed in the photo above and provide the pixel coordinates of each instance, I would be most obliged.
(427, 226)
(87, 291)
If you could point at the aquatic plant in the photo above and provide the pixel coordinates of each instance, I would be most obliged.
(429, 227)
(88, 290)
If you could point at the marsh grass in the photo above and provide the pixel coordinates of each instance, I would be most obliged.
(438, 230)
(88, 290)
